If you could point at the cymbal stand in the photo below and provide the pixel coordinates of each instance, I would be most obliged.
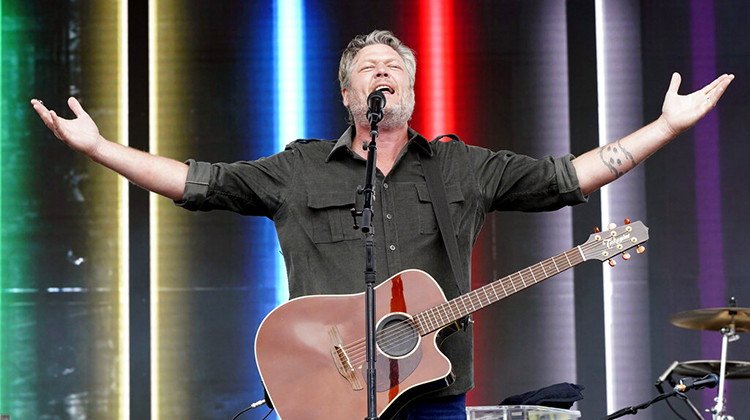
(728, 334)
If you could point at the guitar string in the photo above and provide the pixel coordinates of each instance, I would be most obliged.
(398, 334)
(403, 331)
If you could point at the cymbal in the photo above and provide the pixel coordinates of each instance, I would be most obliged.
(713, 319)
(698, 368)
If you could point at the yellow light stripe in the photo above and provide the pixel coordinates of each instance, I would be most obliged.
(109, 45)
(153, 222)
(123, 223)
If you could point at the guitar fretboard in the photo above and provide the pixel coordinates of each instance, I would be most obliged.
(439, 316)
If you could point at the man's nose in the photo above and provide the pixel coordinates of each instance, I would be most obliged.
(381, 70)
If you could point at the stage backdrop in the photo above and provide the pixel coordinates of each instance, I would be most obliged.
(116, 304)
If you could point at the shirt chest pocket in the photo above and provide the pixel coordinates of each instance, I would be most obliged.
(427, 220)
(330, 216)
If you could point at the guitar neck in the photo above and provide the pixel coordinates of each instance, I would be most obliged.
(444, 314)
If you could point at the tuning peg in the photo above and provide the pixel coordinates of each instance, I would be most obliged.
(596, 229)
(625, 256)
(640, 249)
(627, 221)
(611, 226)
(612, 262)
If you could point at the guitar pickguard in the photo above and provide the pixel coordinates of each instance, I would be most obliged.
(392, 372)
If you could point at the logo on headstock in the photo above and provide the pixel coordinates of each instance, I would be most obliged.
(613, 242)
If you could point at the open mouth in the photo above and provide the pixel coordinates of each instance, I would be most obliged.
(384, 89)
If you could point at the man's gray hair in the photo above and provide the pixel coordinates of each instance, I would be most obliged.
(373, 38)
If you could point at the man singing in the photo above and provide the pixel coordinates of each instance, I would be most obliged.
(309, 188)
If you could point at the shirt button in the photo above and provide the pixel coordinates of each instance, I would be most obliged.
(385, 185)
(392, 247)
(388, 216)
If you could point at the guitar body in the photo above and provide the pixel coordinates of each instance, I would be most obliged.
(310, 352)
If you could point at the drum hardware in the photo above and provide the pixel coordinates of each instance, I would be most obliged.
(696, 368)
(727, 321)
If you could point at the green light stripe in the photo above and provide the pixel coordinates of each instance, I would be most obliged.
(31, 292)
(17, 339)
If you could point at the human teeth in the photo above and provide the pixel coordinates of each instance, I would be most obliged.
(384, 88)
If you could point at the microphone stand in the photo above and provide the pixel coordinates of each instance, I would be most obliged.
(707, 381)
(634, 409)
(367, 213)
(667, 376)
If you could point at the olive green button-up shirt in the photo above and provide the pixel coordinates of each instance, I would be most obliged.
(309, 188)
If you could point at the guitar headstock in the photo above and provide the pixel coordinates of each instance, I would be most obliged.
(617, 240)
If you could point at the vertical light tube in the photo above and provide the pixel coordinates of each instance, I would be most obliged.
(290, 94)
(123, 222)
(436, 35)
(170, 71)
(708, 215)
(546, 96)
(110, 86)
(625, 289)
(601, 83)
(2, 228)
(153, 135)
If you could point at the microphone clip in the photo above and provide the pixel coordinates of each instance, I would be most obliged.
(374, 117)
(708, 381)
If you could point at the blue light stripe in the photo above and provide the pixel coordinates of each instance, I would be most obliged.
(289, 114)
(2, 228)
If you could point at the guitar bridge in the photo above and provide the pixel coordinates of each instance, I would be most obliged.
(342, 361)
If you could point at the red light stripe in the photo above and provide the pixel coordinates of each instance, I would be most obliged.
(436, 67)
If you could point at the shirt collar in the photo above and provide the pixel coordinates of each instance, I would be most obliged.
(345, 142)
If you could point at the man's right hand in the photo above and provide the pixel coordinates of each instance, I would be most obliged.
(161, 175)
(80, 133)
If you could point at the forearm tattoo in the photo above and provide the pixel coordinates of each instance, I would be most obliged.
(617, 159)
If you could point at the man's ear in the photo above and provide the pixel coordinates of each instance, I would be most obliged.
(344, 97)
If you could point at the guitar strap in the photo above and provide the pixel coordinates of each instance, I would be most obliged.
(436, 188)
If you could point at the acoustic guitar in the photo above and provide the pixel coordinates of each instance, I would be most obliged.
(310, 351)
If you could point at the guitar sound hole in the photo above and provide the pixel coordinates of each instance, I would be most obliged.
(397, 335)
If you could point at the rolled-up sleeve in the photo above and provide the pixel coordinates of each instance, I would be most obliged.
(254, 188)
(567, 181)
(511, 181)
(196, 185)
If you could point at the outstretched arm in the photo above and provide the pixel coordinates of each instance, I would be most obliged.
(603, 165)
(155, 173)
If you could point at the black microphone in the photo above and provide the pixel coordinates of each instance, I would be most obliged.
(375, 105)
(708, 381)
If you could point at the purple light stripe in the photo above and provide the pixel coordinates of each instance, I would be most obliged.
(711, 280)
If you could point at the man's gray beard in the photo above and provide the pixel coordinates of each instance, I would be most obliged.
(395, 115)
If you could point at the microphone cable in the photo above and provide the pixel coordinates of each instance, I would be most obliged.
(252, 406)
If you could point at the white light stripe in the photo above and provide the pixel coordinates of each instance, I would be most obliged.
(290, 90)
(601, 81)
